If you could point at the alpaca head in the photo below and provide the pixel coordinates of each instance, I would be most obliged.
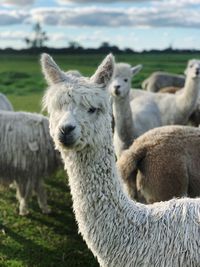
(79, 108)
(121, 82)
(193, 68)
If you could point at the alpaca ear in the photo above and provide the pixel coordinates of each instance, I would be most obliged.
(190, 63)
(105, 71)
(186, 71)
(52, 72)
(136, 69)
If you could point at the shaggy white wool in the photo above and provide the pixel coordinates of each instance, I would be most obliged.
(27, 154)
(5, 103)
(119, 232)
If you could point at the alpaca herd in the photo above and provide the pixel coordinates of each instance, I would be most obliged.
(134, 189)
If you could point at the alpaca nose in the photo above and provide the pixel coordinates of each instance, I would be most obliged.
(197, 71)
(117, 91)
(67, 135)
(67, 129)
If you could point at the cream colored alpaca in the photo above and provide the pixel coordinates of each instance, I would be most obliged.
(162, 164)
(119, 232)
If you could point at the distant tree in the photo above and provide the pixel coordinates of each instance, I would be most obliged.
(105, 45)
(128, 50)
(74, 45)
(39, 37)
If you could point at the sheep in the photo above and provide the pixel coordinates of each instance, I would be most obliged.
(119, 231)
(5, 103)
(27, 155)
(137, 111)
(162, 164)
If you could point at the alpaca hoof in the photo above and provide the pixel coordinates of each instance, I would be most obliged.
(46, 210)
(23, 212)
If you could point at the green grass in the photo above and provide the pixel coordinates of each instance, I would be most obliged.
(39, 240)
(31, 103)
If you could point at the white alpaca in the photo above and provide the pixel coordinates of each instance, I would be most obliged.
(120, 232)
(5, 103)
(130, 120)
(137, 111)
(27, 156)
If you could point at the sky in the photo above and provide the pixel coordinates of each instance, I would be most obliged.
(137, 24)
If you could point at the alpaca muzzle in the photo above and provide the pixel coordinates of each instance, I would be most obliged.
(117, 90)
(67, 136)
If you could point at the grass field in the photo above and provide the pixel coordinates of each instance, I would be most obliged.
(40, 240)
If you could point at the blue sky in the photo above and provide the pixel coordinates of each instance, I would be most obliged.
(137, 24)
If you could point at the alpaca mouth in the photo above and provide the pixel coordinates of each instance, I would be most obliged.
(197, 72)
(117, 92)
(67, 141)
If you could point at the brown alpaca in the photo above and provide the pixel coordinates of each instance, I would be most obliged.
(170, 89)
(163, 163)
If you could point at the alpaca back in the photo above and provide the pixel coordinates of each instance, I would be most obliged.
(168, 166)
(27, 150)
(5, 103)
(158, 80)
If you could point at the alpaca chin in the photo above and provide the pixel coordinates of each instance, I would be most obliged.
(78, 145)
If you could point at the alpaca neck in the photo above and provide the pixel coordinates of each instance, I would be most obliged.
(124, 128)
(187, 100)
(101, 208)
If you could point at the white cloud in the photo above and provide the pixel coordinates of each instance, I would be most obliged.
(12, 17)
(62, 2)
(17, 2)
(151, 16)
(175, 3)
(58, 37)
(116, 17)
(10, 35)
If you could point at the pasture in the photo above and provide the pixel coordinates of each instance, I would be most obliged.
(52, 240)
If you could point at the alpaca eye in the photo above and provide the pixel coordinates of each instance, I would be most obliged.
(92, 110)
(126, 80)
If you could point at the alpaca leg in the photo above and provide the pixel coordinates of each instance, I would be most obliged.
(23, 194)
(42, 198)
